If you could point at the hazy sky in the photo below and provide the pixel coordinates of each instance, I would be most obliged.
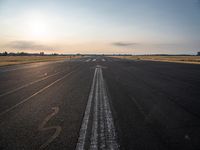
(100, 26)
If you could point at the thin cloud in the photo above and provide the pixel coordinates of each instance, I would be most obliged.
(198, 2)
(124, 44)
(31, 45)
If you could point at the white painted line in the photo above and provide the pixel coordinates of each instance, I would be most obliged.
(102, 134)
(26, 85)
(26, 66)
(111, 138)
(103, 60)
(94, 136)
(87, 60)
(102, 145)
(38, 92)
(94, 60)
(83, 131)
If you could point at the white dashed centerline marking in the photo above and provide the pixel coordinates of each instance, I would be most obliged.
(87, 60)
(102, 134)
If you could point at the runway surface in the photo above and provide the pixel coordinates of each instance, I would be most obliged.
(100, 103)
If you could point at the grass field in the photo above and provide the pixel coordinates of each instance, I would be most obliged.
(178, 59)
(13, 60)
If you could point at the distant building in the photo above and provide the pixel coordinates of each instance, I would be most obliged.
(198, 53)
(42, 53)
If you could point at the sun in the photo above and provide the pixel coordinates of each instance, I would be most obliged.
(38, 26)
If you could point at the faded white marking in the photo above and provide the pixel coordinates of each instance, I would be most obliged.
(102, 120)
(111, 139)
(31, 83)
(94, 60)
(56, 128)
(103, 60)
(38, 92)
(139, 107)
(87, 60)
(94, 136)
(103, 133)
(83, 131)
(27, 66)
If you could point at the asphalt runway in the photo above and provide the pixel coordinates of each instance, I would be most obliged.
(100, 103)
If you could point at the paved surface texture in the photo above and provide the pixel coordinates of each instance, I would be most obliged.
(100, 103)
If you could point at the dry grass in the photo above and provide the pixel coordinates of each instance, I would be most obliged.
(13, 60)
(178, 59)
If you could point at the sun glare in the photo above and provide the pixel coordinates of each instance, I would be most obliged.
(38, 26)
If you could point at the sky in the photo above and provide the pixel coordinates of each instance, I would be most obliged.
(100, 26)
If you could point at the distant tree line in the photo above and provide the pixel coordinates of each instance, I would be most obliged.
(21, 54)
(35, 54)
(78, 54)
